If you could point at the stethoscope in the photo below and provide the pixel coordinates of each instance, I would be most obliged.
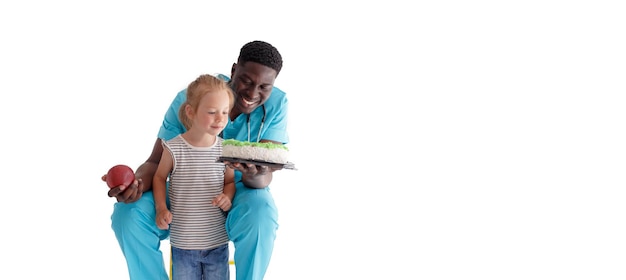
(258, 137)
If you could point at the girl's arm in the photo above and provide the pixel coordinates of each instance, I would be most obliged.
(229, 183)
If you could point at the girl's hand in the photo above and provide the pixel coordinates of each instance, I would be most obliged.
(222, 201)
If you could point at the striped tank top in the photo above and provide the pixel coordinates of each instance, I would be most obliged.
(196, 179)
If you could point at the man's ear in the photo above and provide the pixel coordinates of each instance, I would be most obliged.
(232, 70)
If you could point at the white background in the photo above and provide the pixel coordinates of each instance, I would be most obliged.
(436, 140)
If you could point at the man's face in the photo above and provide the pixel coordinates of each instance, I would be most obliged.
(252, 83)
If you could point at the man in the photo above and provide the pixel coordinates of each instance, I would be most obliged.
(259, 114)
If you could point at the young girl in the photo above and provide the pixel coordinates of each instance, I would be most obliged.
(200, 189)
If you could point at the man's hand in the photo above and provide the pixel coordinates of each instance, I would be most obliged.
(254, 176)
(125, 194)
(251, 170)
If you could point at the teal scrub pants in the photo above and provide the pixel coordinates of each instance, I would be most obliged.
(251, 225)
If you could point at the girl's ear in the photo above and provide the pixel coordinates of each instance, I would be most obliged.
(189, 111)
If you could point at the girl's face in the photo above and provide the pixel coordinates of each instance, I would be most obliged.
(212, 114)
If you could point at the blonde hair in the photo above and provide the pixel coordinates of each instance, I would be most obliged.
(194, 96)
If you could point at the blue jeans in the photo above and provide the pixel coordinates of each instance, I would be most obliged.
(209, 264)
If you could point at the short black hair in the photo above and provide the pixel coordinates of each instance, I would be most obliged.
(262, 53)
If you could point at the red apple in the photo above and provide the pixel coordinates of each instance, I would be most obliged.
(120, 175)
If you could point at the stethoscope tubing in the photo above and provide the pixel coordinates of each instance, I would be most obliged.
(258, 137)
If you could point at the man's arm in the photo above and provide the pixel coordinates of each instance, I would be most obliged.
(147, 170)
